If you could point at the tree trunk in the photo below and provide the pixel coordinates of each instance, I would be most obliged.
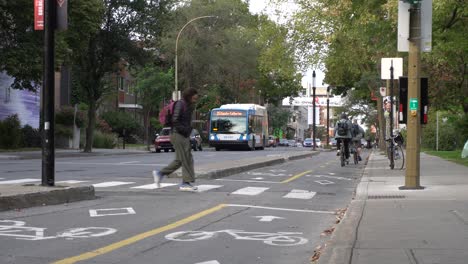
(90, 128)
(146, 136)
(381, 124)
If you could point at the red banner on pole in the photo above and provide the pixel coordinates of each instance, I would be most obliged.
(38, 14)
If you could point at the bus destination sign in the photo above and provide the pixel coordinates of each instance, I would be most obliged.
(229, 113)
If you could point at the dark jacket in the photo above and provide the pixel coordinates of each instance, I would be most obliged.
(182, 118)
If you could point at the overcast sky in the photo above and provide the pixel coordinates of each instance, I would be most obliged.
(259, 6)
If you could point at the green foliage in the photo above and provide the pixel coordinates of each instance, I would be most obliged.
(278, 117)
(10, 129)
(66, 115)
(31, 137)
(20, 52)
(451, 135)
(104, 140)
(121, 123)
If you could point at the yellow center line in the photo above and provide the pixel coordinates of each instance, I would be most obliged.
(296, 176)
(136, 238)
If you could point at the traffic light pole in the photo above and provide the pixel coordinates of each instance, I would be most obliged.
(48, 94)
(412, 179)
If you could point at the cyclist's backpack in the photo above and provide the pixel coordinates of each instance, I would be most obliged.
(355, 130)
(342, 128)
(165, 114)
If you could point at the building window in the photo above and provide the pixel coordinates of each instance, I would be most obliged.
(120, 83)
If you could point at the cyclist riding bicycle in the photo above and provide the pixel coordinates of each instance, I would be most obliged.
(358, 133)
(343, 134)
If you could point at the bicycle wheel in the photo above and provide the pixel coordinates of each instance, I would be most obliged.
(390, 153)
(284, 240)
(342, 156)
(190, 235)
(355, 157)
(399, 157)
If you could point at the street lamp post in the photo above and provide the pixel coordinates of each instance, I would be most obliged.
(313, 110)
(176, 94)
(328, 115)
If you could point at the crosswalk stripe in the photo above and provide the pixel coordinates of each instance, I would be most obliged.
(206, 187)
(153, 186)
(300, 194)
(110, 184)
(19, 181)
(71, 182)
(250, 190)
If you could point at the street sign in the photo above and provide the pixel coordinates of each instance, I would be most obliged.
(413, 104)
(386, 63)
(404, 25)
(38, 14)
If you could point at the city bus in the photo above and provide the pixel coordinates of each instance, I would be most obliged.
(238, 126)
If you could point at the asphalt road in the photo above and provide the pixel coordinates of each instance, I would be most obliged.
(271, 215)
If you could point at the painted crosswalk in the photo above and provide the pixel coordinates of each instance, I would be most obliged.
(19, 181)
(246, 191)
(251, 191)
(111, 184)
(300, 194)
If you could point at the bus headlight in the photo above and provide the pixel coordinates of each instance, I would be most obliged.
(212, 137)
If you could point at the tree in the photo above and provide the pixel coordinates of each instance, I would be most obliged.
(20, 47)
(154, 87)
(110, 40)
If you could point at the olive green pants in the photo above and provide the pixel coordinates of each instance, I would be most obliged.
(184, 158)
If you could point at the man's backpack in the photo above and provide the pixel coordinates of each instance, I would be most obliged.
(355, 130)
(342, 128)
(165, 114)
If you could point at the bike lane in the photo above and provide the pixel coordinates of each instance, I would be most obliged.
(268, 229)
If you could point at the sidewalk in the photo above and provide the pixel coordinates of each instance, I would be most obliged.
(386, 225)
(14, 196)
(67, 153)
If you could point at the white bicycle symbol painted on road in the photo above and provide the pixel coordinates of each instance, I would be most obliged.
(18, 230)
(274, 239)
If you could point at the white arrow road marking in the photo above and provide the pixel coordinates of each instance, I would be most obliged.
(333, 177)
(206, 187)
(250, 191)
(325, 182)
(300, 194)
(99, 212)
(268, 218)
(258, 178)
(209, 262)
(153, 186)
(267, 174)
(19, 181)
(111, 184)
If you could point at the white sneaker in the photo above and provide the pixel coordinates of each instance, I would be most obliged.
(157, 178)
(187, 187)
(338, 152)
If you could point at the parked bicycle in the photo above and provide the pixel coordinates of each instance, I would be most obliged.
(395, 151)
(274, 239)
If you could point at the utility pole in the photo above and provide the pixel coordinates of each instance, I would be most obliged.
(412, 176)
(328, 116)
(48, 94)
(313, 110)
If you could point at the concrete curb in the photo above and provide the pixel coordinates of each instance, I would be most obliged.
(339, 248)
(227, 171)
(56, 196)
(70, 155)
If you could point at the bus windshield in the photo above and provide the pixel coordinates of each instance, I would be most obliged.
(229, 124)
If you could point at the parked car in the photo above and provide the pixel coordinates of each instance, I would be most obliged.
(333, 142)
(163, 140)
(318, 143)
(292, 143)
(196, 140)
(271, 141)
(307, 142)
(283, 142)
